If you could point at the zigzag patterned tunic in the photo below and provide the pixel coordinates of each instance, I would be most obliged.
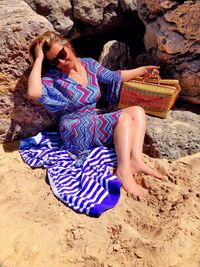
(86, 185)
(81, 128)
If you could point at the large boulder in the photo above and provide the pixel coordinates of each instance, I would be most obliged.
(98, 13)
(58, 12)
(100, 16)
(173, 37)
(19, 25)
(116, 55)
(174, 137)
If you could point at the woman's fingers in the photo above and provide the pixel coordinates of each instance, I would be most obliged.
(41, 42)
(155, 72)
(152, 67)
(38, 49)
(152, 71)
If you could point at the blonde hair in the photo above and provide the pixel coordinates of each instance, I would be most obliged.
(48, 38)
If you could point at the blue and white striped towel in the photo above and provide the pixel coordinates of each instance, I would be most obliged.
(90, 189)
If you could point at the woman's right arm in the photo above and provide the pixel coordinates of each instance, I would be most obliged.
(35, 78)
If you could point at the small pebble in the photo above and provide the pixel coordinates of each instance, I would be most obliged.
(33, 251)
(161, 209)
(116, 247)
(185, 196)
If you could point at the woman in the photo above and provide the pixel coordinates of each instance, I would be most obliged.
(71, 88)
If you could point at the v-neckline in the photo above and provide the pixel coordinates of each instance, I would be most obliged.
(78, 83)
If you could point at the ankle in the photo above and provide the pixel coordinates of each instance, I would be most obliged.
(124, 169)
(136, 157)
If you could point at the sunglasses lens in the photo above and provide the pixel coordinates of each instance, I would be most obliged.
(61, 55)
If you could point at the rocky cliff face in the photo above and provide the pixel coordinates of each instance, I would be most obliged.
(172, 38)
(18, 26)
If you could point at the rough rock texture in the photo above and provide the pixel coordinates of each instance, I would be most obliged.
(18, 26)
(58, 12)
(128, 5)
(101, 14)
(174, 137)
(115, 55)
(83, 16)
(173, 36)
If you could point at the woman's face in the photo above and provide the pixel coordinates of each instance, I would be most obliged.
(61, 56)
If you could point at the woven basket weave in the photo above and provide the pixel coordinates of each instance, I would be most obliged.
(155, 96)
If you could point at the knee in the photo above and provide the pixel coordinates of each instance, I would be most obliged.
(126, 119)
(136, 112)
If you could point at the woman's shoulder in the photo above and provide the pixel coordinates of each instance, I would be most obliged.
(88, 60)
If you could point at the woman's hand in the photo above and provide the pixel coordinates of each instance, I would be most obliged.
(38, 51)
(151, 71)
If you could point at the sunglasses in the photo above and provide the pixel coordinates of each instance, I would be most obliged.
(62, 54)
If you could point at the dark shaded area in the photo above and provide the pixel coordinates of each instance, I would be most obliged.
(130, 31)
(182, 105)
(27, 117)
(180, 1)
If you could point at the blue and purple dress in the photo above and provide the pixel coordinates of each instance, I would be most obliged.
(86, 184)
(81, 128)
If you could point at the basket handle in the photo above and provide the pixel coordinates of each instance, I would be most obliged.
(151, 76)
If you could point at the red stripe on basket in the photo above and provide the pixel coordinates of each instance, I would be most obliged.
(131, 97)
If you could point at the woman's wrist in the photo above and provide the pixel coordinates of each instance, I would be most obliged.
(39, 59)
(142, 71)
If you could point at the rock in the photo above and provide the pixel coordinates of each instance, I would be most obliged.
(58, 12)
(149, 9)
(116, 247)
(174, 39)
(115, 56)
(128, 5)
(19, 116)
(102, 14)
(186, 18)
(20, 25)
(174, 137)
(145, 59)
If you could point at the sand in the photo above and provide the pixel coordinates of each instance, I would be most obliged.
(162, 230)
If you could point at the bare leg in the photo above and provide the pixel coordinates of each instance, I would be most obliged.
(123, 145)
(138, 132)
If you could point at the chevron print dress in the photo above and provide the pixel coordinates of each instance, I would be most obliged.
(81, 128)
(77, 157)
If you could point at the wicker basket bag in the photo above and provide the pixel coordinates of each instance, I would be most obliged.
(155, 95)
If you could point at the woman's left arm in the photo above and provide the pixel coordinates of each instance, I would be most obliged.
(127, 75)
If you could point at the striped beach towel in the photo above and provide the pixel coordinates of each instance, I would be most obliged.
(90, 189)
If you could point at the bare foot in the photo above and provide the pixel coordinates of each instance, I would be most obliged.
(140, 166)
(129, 184)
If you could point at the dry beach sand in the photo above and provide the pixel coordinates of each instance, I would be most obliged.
(163, 230)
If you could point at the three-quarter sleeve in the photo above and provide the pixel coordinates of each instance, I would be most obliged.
(111, 78)
(52, 97)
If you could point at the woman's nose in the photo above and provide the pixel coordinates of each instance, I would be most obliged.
(62, 61)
